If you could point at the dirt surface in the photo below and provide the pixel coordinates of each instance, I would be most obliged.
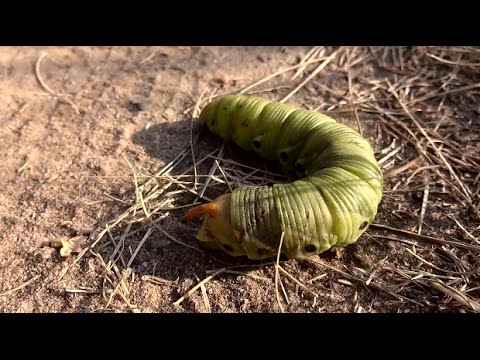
(66, 146)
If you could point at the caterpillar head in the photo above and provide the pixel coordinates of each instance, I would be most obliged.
(217, 231)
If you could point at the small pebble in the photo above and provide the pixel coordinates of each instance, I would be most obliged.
(160, 243)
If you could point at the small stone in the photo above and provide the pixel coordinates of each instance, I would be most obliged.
(160, 243)
(134, 106)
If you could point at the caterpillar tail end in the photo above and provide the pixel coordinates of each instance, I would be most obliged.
(217, 230)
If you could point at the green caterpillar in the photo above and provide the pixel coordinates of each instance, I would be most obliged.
(333, 202)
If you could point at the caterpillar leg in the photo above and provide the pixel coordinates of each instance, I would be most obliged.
(217, 230)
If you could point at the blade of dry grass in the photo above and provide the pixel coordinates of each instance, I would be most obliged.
(196, 113)
(311, 54)
(211, 173)
(457, 244)
(311, 76)
(303, 286)
(17, 288)
(462, 298)
(204, 281)
(350, 92)
(60, 97)
(280, 72)
(276, 273)
(145, 237)
(138, 192)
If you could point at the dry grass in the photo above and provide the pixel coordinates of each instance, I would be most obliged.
(423, 104)
(61, 97)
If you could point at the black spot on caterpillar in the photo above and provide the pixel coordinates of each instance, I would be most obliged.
(333, 202)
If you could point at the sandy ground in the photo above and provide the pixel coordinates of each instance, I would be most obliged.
(65, 174)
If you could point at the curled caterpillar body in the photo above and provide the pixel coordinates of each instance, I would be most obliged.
(333, 202)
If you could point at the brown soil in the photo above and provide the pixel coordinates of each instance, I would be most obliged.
(64, 175)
